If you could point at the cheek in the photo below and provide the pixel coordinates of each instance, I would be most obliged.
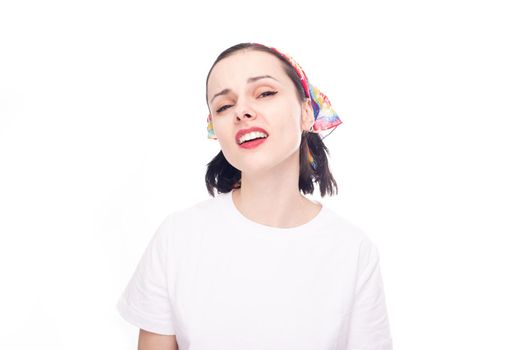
(288, 130)
(287, 118)
(284, 110)
(219, 126)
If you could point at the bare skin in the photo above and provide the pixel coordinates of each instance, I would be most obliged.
(154, 341)
(269, 193)
(299, 215)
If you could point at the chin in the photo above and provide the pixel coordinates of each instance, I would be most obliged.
(253, 167)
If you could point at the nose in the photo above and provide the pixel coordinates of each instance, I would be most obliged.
(244, 111)
(245, 115)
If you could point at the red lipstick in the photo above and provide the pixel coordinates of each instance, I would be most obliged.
(253, 143)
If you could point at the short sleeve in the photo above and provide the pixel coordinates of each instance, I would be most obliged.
(145, 302)
(369, 325)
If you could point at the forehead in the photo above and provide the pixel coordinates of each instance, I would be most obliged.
(235, 69)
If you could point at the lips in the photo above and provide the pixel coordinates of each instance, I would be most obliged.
(246, 131)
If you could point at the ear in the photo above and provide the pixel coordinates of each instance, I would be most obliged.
(307, 115)
(211, 129)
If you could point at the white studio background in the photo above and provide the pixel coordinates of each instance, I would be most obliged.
(103, 133)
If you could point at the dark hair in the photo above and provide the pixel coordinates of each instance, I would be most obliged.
(224, 177)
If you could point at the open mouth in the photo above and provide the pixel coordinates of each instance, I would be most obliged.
(251, 137)
(253, 142)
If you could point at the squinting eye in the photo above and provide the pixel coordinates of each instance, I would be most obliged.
(222, 108)
(269, 93)
(266, 93)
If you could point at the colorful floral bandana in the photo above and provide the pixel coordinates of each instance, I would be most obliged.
(325, 116)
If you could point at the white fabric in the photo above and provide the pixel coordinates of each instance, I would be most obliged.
(218, 280)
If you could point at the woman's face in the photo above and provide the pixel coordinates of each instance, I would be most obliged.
(237, 101)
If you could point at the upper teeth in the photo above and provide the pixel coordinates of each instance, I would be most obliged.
(252, 135)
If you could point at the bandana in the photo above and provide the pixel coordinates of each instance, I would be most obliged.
(324, 115)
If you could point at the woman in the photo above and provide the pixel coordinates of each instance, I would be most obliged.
(260, 266)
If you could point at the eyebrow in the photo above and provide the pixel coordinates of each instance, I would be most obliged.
(249, 80)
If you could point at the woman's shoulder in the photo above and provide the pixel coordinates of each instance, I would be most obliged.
(347, 228)
(203, 205)
(200, 211)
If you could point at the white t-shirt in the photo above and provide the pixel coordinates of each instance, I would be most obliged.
(218, 280)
